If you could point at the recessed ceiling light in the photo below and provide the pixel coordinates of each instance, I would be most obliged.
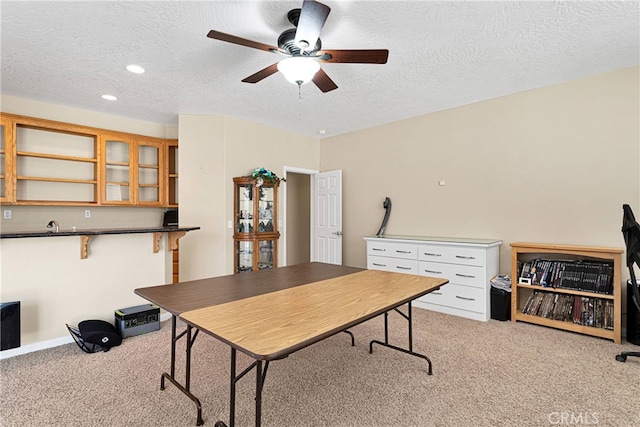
(135, 69)
(109, 97)
(322, 132)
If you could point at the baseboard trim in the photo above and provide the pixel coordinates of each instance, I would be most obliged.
(43, 345)
(30, 348)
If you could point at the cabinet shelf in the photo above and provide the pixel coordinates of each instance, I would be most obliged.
(565, 291)
(56, 157)
(525, 252)
(48, 179)
(567, 326)
(34, 202)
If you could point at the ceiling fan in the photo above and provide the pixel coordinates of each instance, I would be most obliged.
(303, 49)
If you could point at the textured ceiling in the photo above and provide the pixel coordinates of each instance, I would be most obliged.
(441, 55)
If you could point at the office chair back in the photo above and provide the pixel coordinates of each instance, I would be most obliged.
(631, 233)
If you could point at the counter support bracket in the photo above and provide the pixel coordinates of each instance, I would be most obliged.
(84, 247)
(172, 236)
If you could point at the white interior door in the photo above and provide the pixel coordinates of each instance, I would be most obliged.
(326, 242)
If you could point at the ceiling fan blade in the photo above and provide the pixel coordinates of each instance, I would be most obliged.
(366, 56)
(323, 81)
(217, 35)
(312, 18)
(262, 74)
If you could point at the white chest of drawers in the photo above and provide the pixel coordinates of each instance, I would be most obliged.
(468, 264)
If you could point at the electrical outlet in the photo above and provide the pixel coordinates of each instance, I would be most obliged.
(7, 214)
(87, 213)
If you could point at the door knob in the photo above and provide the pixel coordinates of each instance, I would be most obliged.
(338, 233)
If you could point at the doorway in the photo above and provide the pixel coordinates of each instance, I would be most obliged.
(297, 215)
(312, 216)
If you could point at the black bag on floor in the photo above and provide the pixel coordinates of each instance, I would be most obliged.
(95, 335)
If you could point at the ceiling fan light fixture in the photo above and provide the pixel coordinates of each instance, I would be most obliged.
(298, 70)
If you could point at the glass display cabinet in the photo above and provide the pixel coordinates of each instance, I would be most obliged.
(256, 224)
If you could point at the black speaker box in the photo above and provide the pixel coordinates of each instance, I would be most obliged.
(170, 218)
(10, 325)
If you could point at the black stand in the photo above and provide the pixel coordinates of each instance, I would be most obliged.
(631, 233)
(387, 206)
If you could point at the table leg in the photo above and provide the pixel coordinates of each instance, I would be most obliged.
(261, 375)
(171, 377)
(410, 351)
(353, 339)
(259, 385)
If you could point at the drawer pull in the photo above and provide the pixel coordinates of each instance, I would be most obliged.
(428, 254)
(465, 257)
(434, 272)
(403, 252)
(468, 276)
(465, 298)
(435, 293)
(403, 268)
(379, 265)
(378, 249)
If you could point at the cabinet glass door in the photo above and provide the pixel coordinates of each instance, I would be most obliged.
(244, 255)
(172, 190)
(244, 214)
(265, 254)
(118, 175)
(266, 209)
(148, 173)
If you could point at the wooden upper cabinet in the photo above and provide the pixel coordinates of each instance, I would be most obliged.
(134, 171)
(52, 163)
(150, 173)
(6, 160)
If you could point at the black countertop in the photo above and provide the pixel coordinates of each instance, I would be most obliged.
(93, 232)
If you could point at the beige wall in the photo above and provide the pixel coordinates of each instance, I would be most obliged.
(202, 188)
(549, 165)
(214, 150)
